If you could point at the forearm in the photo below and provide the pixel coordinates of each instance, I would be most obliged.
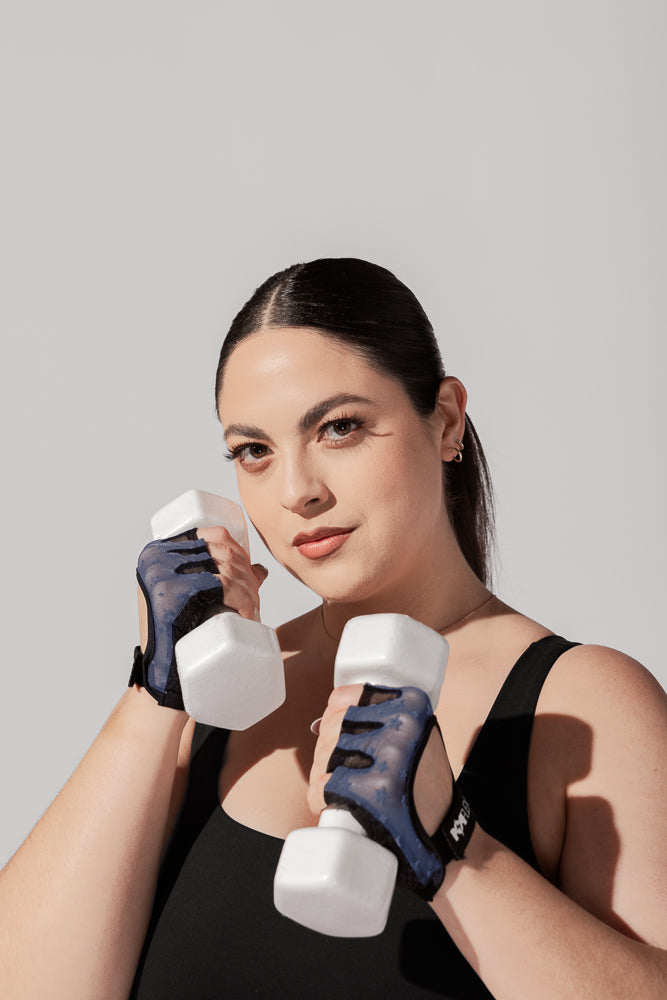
(75, 899)
(525, 938)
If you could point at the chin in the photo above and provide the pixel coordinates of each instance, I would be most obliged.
(350, 591)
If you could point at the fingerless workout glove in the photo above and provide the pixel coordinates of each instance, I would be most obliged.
(176, 576)
(373, 771)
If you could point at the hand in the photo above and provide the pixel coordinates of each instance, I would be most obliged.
(380, 754)
(183, 580)
(240, 580)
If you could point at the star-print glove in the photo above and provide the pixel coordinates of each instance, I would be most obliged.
(177, 579)
(373, 772)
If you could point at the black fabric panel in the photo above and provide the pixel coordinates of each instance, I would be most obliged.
(219, 935)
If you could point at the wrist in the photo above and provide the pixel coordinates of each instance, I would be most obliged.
(138, 708)
(169, 697)
(479, 852)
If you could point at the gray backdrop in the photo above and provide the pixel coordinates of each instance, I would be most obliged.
(160, 159)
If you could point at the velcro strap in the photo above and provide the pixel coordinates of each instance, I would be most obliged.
(453, 836)
(137, 674)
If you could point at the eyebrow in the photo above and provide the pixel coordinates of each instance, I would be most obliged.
(305, 423)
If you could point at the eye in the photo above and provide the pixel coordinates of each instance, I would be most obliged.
(337, 430)
(248, 454)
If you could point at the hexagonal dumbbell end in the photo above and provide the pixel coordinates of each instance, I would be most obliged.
(392, 650)
(332, 877)
(198, 509)
(230, 669)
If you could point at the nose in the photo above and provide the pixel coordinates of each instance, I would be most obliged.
(303, 489)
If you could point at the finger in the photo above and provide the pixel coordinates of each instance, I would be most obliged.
(233, 562)
(319, 775)
(230, 557)
(219, 536)
(240, 585)
(342, 697)
(229, 564)
(227, 550)
(315, 794)
(240, 581)
(240, 595)
(261, 572)
(329, 727)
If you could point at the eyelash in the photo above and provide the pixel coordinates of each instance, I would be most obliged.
(235, 454)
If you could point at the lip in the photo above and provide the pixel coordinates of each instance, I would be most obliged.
(322, 541)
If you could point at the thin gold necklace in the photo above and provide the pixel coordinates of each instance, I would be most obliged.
(443, 628)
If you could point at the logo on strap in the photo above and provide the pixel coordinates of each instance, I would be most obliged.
(458, 827)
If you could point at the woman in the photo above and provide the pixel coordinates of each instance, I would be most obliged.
(359, 469)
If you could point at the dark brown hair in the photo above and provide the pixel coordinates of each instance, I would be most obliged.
(367, 308)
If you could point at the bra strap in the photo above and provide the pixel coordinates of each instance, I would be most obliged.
(495, 775)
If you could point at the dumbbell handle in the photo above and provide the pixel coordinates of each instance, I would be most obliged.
(230, 669)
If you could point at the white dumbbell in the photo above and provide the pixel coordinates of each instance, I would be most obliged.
(230, 669)
(332, 878)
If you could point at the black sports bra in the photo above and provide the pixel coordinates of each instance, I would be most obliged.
(215, 933)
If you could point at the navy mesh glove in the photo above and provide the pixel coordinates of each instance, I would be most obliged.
(373, 770)
(176, 576)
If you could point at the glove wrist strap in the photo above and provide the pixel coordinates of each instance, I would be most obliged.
(453, 836)
(137, 674)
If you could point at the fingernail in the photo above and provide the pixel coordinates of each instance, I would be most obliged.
(315, 726)
(256, 615)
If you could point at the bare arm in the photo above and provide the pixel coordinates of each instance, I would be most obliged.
(602, 932)
(75, 899)
(526, 938)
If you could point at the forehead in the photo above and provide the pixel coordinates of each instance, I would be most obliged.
(292, 367)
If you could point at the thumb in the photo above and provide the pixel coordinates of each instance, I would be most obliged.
(261, 572)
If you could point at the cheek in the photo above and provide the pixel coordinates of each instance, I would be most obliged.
(259, 508)
(405, 515)
(408, 485)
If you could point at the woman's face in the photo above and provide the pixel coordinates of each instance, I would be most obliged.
(338, 473)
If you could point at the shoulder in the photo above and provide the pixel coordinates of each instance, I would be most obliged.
(601, 719)
(601, 685)
(596, 705)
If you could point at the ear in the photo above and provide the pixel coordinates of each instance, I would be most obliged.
(451, 409)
